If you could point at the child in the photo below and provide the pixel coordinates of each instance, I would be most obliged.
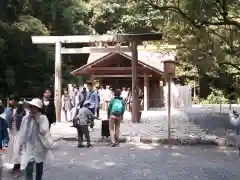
(3, 138)
(82, 119)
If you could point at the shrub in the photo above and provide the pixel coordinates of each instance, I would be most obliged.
(216, 97)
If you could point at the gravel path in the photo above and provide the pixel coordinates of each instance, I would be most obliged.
(201, 121)
(141, 162)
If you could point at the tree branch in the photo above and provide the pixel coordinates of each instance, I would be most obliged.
(236, 66)
(198, 24)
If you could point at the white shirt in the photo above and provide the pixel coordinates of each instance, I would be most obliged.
(124, 94)
(107, 95)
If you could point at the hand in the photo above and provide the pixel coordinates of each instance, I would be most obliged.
(20, 149)
(4, 150)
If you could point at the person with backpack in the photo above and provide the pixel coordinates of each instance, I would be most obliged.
(116, 110)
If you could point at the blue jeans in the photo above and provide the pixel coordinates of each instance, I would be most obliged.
(30, 168)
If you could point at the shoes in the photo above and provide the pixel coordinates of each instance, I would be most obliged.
(113, 145)
(16, 174)
(89, 145)
(80, 146)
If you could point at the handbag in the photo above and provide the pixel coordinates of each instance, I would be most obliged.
(46, 140)
(75, 122)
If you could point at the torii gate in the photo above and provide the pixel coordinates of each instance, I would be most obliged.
(134, 39)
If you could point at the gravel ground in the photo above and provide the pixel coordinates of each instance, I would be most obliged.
(200, 121)
(141, 162)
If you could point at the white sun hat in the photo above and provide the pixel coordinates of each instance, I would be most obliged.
(35, 102)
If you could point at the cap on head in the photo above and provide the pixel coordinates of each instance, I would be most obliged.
(117, 92)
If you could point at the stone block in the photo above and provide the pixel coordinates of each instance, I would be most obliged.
(136, 139)
(122, 139)
(146, 140)
(128, 139)
(230, 142)
(221, 141)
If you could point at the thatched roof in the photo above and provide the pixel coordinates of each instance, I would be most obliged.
(153, 59)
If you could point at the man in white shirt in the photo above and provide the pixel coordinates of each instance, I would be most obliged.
(124, 94)
(107, 96)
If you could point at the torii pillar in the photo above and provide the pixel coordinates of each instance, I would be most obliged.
(135, 87)
(58, 80)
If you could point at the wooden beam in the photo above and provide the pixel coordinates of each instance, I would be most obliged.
(94, 50)
(116, 76)
(113, 69)
(96, 38)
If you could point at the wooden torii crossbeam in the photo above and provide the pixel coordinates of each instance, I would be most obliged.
(119, 38)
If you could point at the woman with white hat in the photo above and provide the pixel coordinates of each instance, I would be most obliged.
(33, 150)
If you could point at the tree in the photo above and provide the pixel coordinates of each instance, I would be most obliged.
(123, 16)
(27, 68)
(207, 32)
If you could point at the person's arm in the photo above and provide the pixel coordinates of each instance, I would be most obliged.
(8, 116)
(90, 114)
(75, 113)
(53, 113)
(123, 107)
(5, 134)
(43, 124)
(96, 101)
(110, 107)
(22, 130)
(62, 102)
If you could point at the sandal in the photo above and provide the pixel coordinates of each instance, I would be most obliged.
(113, 145)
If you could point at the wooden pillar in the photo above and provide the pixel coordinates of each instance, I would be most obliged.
(135, 88)
(146, 94)
(92, 80)
(58, 83)
(161, 92)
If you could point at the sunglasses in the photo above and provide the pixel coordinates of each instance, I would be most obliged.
(32, 107)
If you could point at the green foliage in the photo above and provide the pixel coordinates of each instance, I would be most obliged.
(215, 97)
(206, 33)
(27, 68)
(123, 16)
(207, 36)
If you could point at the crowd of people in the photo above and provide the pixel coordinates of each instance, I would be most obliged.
(25, 129)
(99, 97)
(24, 134)
(84, 106)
